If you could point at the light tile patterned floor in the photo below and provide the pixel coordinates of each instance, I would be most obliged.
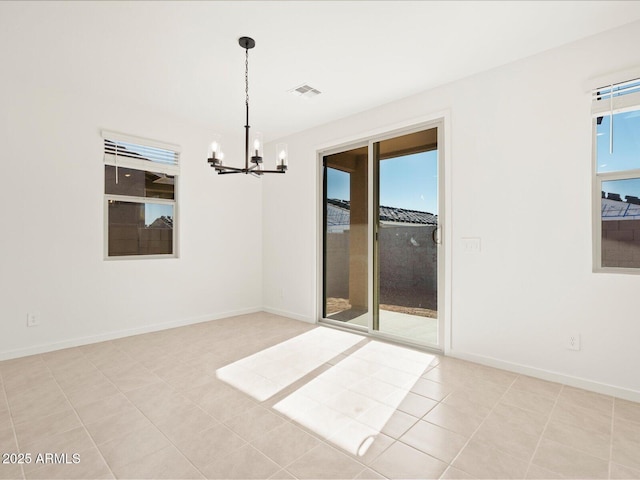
(154, 406)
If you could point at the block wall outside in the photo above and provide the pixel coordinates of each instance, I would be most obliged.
(621, 243)
(135, 240)
(408, 266)
(337, 264)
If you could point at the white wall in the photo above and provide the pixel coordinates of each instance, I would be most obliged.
(51, 241)
(520, 146)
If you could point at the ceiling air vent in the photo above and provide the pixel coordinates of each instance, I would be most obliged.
(305, 91)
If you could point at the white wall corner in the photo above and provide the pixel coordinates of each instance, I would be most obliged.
(287, 314)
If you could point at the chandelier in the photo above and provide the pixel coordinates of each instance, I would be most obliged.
(252, 164)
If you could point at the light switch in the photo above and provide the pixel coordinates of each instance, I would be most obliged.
(471, 245)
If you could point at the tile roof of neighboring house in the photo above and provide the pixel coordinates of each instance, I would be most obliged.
(390, 214)
(162, 222)
(614, 208)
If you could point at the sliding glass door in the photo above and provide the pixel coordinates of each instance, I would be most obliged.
(407, 236)
(382, 252)
(346, 227)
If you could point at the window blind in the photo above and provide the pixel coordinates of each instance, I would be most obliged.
(616, 97)
(142, 154)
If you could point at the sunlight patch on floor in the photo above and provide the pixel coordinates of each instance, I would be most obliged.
(350, 403)
(267, 372)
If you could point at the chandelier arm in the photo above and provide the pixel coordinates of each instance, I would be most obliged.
(230, 169)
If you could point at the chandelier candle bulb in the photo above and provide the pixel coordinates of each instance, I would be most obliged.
(257, 147)
(215, 144)
(282, 156)
(215, 151)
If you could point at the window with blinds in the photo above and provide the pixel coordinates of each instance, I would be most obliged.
(140, 200)
(616, 156)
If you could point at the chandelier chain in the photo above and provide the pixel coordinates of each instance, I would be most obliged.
(246, 76)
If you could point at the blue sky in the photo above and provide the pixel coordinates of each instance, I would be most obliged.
(152, 211)
(625, 156)
(409, 182)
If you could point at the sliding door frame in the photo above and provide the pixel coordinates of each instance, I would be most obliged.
(323, 232)
(442, 122)
(374, 191)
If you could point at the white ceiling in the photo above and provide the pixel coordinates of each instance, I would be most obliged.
(183, 58)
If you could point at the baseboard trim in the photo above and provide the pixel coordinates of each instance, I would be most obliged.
(284, 313)
(572, 381)
(103, 337)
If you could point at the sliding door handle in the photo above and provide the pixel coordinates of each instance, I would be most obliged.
(435, 235)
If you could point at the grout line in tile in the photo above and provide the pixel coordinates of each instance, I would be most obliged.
(339, 449)
(481, 423)
(79, 419)
(291, 462)
(546, 424)
(335, 447)
(13, 428)
(163, 380)
(143, 414)
(368, 468)
(292, 475)
(327, 441)
(613, 419)
(397, 440)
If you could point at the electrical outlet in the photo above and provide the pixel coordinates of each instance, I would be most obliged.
(32, 320)
(573, 342)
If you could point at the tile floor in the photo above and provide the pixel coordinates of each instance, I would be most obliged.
(156, 406)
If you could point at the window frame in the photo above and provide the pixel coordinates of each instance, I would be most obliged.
(145, 166)
(619, 104)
